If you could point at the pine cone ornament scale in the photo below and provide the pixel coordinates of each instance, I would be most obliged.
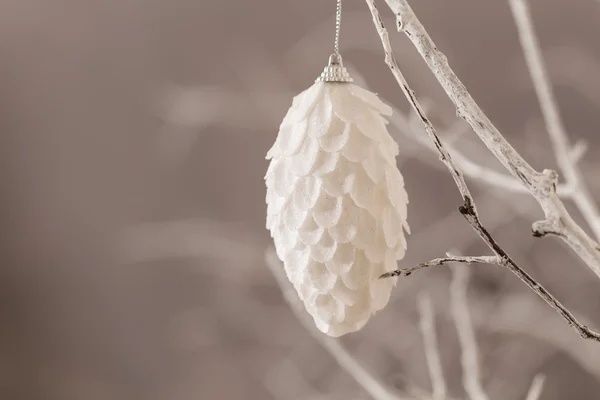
(336, 204)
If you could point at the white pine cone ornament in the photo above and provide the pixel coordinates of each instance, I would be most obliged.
(336, 203)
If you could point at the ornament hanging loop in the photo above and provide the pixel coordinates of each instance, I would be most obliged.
(335, 71)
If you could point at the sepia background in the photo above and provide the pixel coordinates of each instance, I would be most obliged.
(133, 137)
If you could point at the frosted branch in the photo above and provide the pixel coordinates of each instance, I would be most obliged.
(541, 185)
(442, 261)
(566, 154)
(468, 209)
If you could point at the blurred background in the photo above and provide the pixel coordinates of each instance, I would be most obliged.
(133, 137)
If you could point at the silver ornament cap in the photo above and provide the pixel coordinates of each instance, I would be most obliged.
(335, 71)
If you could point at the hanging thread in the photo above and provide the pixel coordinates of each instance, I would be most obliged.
(338, 23)
(335, 71)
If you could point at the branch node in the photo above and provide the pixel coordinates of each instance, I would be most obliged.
(546, 227)
(402, 21)
(549, 180)
(467, 209)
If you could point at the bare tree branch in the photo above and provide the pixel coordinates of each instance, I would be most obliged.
(443, 261)
(468, 209)
(556, 130)
(541, 185)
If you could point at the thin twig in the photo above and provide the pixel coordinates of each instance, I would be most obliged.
(541, 185)
(554, 124)
(468, 209)
(368, 382)
(466, 335)
(442, 261)
(432, 353)
(537, 385)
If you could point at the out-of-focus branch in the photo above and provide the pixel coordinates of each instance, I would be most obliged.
(468, 209)
(541, 185)
(577, 69)
(537, 385)
(578, 150)
(556, 130)
(368, 382)
(432, 353)
(522, 315)
(470, 168)
(466, 335)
